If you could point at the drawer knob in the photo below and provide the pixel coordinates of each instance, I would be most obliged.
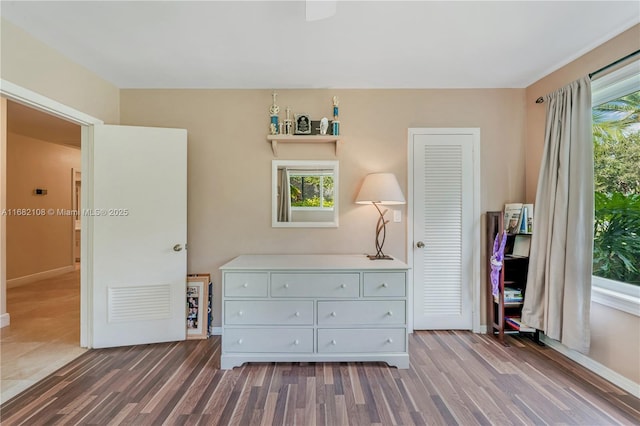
(296, 342)
(333, 342)
(286, 286)
(239, 341)
(390, 313)
(385, 285)
(333, 314)
(297, 314)
(389, 340)
(240, 313)
(343, 286)
(245, 285)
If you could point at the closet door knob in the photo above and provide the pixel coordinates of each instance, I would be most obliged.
(420, 244)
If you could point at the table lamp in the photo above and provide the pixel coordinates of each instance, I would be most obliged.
(380, 189)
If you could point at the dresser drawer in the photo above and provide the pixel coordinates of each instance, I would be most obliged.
(334, 285)
(267, 340)
(246, 284)
(384, 284)
(382, 312)
(362, 340)
(268, 312)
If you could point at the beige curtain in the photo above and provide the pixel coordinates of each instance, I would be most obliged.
(284, 203)
(558, 294)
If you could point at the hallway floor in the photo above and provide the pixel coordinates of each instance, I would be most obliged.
(44, 333)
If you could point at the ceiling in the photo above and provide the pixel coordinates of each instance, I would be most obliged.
(35, 124)
(268, 44)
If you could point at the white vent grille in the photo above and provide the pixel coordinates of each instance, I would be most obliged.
(139, 303)
(443, 229)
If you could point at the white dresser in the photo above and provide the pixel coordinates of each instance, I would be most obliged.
(298, 308)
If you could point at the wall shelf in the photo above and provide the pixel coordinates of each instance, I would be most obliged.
(275, 139)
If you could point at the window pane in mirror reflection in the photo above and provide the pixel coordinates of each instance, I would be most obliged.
(305, 193)
(311, 190)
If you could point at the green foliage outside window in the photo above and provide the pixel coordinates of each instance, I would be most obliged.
(616, 133)
(616, 248)
(312, 191)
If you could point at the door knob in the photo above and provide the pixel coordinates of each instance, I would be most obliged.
(177, 247)
(420, 244)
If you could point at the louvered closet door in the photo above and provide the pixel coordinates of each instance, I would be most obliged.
(443, 221)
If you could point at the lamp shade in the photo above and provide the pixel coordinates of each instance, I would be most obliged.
(380, 188)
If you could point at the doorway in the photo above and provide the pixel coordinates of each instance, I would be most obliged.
(24, 96)
(444, 228)
(42, 275)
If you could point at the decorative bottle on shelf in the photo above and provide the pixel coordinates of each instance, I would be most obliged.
(335, 125)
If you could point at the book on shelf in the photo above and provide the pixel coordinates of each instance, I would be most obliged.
(512, 292)
(509, 300)
(510, 296)
(529, 221)
(517, 324)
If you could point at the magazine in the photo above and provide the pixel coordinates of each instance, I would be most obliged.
(512, 213)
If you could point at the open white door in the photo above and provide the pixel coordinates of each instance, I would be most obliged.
(138, 227)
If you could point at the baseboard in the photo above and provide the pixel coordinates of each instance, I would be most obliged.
(483, 329)
(28, 279)
(594, 366)
(5, 320)
(217, 331)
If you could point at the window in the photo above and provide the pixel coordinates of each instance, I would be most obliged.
(616, 134)
(311, 190)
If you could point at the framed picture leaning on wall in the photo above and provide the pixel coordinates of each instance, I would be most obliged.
(197, 305)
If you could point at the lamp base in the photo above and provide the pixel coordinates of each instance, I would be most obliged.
(379, 257)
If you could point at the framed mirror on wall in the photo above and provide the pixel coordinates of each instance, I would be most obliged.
(304, 194)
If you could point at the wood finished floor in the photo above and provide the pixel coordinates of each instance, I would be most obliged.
(44, 333)
(455, 378)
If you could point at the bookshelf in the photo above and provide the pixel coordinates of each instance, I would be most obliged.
(504, 309)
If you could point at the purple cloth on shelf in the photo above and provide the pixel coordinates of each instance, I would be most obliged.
(496, 261)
